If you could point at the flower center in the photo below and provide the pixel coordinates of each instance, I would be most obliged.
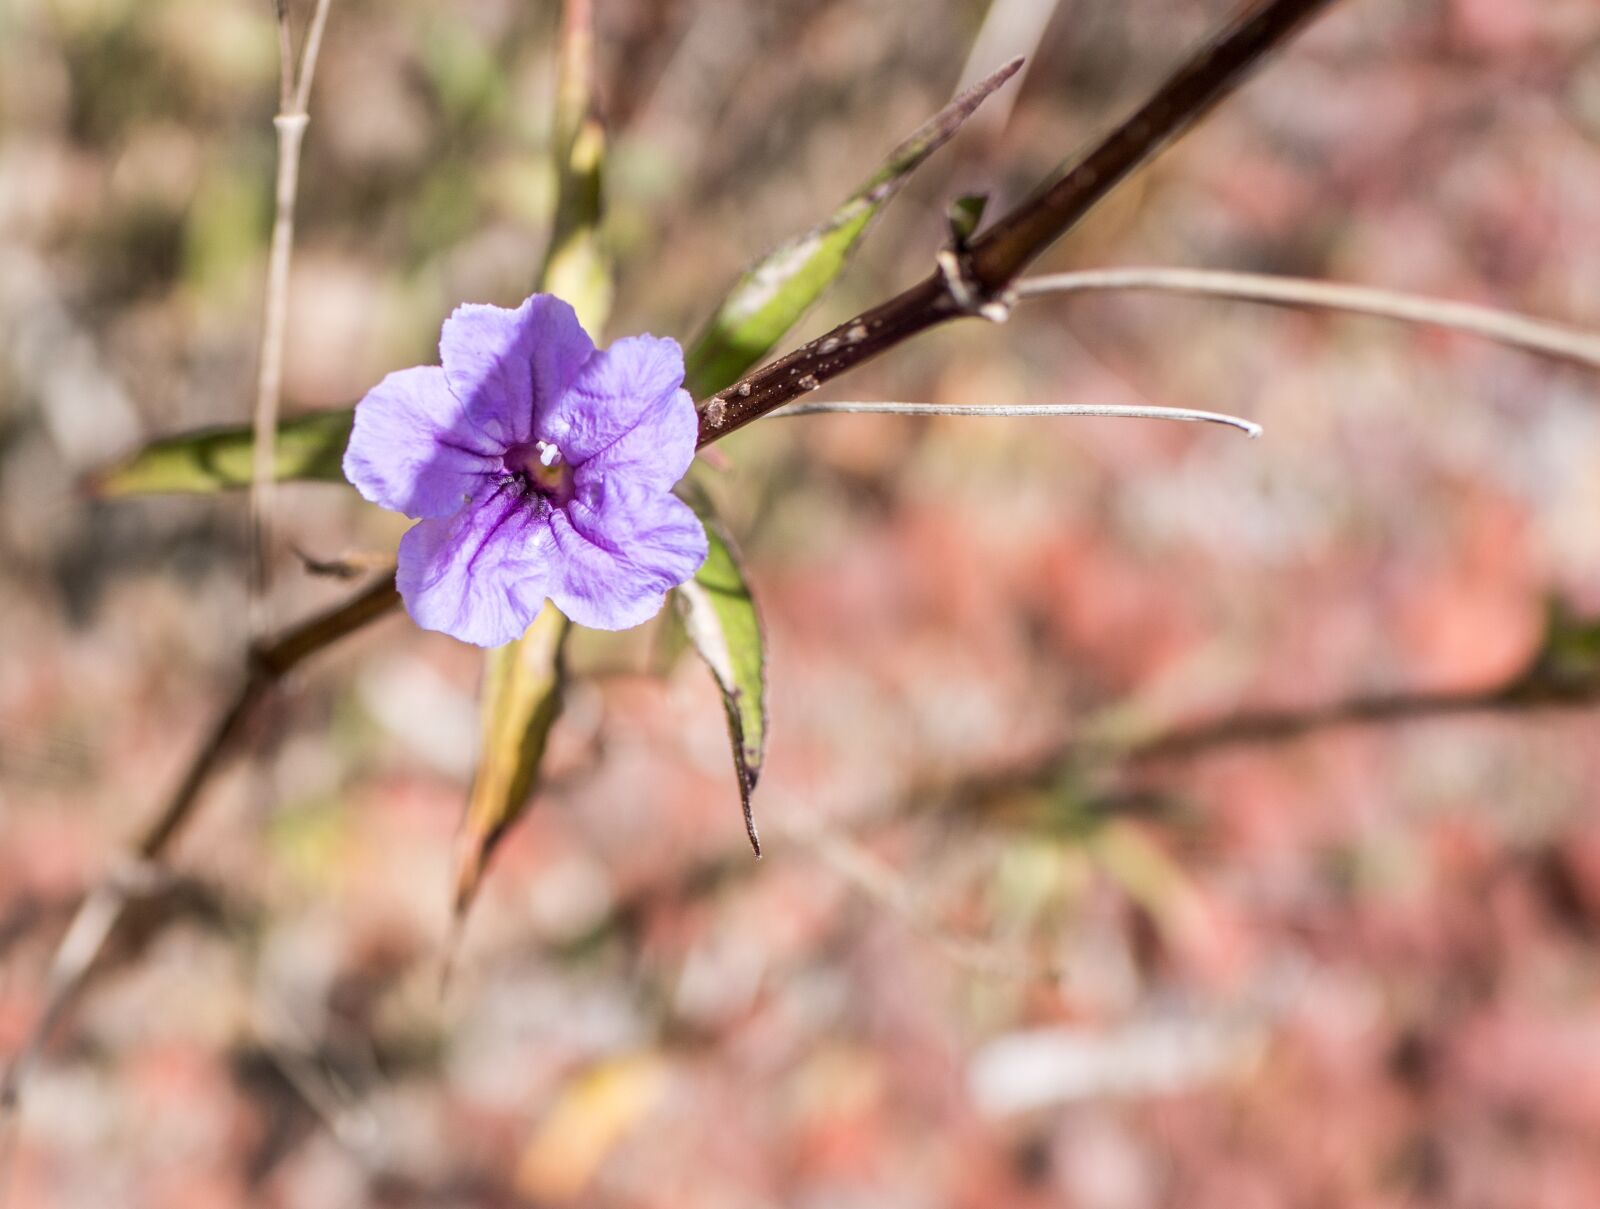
(541, 466)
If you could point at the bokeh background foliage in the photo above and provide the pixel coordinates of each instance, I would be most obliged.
(1355, 968)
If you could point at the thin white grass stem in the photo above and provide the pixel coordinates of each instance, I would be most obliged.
(1505, 327)
(1103, 410)
(290, 124)
(285, 57)
(308, 57)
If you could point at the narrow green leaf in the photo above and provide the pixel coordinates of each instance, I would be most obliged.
(770, 298)
(577, 265)
(719, 614)
(218, 459)
(521, 701)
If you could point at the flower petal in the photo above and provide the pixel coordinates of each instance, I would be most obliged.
(506, 366)
(483, 574)
(626, 415)
(615, 563)
(409, 450)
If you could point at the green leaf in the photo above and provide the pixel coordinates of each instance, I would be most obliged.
(577, 265)
(772, 296)
(719, 614)
(964, 215)
(522, 693)
(1567, 663)
(218, 459)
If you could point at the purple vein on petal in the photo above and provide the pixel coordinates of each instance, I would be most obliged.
(518, 501)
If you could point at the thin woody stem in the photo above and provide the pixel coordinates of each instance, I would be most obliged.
(268, 664)
(1251, 727)
(308, 57)
(290, 125)
(1506, 327)
(1210, 75)
(1278, 726)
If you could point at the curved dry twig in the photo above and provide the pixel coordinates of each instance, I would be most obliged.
(1505, 327)
(1102, 410)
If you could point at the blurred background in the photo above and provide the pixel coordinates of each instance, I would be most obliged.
(995, 955)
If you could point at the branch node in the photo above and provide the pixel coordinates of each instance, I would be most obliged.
(968, 293)
(132, 876)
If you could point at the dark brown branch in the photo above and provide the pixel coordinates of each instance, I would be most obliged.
(994, 258)
(1209, 76)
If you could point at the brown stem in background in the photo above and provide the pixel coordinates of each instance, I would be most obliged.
(1534, 689)
(1284, 725)
(993, 259)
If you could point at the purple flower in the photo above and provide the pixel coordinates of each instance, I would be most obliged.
(537, 466)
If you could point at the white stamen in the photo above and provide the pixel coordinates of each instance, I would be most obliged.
(549, 455)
